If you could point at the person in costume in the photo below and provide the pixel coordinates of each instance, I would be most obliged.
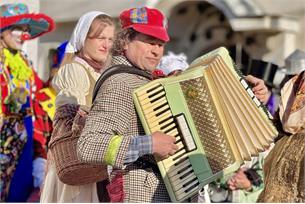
(20, 168)
(284, 166)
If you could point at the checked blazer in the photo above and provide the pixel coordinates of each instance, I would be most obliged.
(113, 113)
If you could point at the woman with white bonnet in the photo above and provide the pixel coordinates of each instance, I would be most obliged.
(87, 55)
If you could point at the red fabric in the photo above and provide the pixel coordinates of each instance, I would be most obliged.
(11, 20)
(116, 189)
(4, 92)
(42, 123)
(146, 20)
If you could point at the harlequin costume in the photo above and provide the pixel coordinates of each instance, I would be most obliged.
(17, 79)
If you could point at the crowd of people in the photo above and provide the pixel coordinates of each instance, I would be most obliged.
(105, 135)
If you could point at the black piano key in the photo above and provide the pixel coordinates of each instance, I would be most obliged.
(182, 160)
(189, 182)
(192, 187)
(160, 106)
(178, 141)
(160, 113)
(177, 157)
(153, 88)
(166, 119)
(165, 126)
(167, 131)
(186, 174)
(152, 95)
(183, 169)
(154, 100)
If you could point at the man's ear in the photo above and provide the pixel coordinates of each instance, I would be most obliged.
(125, 46)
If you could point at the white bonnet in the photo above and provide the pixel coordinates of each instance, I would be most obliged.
(172, 62)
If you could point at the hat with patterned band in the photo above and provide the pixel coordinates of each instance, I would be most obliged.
(18, 14)
(145, 20)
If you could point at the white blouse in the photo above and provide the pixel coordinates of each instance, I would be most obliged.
(74, 83)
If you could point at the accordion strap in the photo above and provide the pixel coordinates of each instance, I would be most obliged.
(117, 69)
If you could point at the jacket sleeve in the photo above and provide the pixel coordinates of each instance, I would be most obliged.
(104, 137)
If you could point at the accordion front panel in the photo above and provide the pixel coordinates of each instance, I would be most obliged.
(216, 119)
(210, 131)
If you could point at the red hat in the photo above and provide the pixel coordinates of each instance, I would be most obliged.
(147, 21)
(18, 14)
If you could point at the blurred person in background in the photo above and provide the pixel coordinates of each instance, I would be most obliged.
(22, 153)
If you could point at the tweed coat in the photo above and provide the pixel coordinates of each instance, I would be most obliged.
(113, 113)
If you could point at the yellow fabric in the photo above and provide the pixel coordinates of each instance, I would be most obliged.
(49, 105)
(112, 149)
(19, 69)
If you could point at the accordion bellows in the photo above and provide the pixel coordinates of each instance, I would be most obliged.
(216, 119)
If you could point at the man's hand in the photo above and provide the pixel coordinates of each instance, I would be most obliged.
(163, 145)
(259, 88)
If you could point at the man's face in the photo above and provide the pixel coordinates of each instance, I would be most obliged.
(145, 51)
(12, 36)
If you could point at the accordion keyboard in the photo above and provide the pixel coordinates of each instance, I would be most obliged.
(160, 118)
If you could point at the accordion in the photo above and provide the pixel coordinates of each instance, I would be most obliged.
(214, 115)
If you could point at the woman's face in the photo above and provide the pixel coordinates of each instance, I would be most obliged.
(12, 37)
(98, 48)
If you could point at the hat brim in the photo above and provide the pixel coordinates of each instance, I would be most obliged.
(39, 23)
(157, 32)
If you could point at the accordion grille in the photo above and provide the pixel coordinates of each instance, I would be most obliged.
(208, 126)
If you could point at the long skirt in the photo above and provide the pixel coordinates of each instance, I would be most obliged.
(284, 171)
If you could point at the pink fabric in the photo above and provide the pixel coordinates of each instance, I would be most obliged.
(116, 189)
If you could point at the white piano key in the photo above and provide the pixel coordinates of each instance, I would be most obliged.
(244, 83)
(148, 100)
(151, 106)
(158, 128)
(146, 95)
(257, 102)
(250, 92)
(182, 195)
(178, 184)
(173, 170)
(173, 133)
(144, 91)
(151, 113)
(155, 122)
(170, 163)
(181, 192)
(186, 134)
